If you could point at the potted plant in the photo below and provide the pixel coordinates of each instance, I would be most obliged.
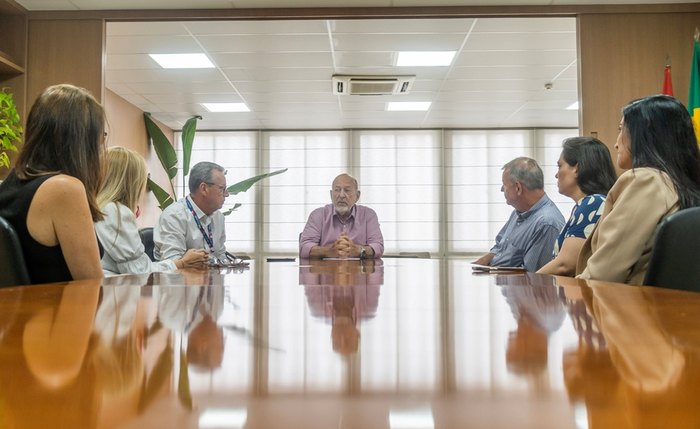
(168, 159)
(10, 126)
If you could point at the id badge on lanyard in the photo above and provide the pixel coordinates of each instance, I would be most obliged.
(208, 238)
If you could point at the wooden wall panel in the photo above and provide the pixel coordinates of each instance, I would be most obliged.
(126, 128)
(622, 57)
(69, 51)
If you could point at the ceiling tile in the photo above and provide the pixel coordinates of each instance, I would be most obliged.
(152, 44)
(402, 26)
(397, 42)
(304, 27)
(273, 59)
(516, 58)
(265, 43)
(520, 41)
(545, 73)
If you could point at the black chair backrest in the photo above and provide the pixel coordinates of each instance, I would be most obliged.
(14, 271)
(147, 240)
(674, 260)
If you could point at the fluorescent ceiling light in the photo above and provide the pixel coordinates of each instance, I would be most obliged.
(220, 418)
(183, 61)
(226, 107)
(573, 106)
(408, 106)
(425, 59)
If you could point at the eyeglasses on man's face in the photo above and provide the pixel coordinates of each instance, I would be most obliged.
(221, 188)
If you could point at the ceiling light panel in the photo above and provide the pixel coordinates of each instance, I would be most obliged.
(183, 61)
(425, 58)
(226, 107)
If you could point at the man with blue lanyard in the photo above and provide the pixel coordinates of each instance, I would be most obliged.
(195, 222)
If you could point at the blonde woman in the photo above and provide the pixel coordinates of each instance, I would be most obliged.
(124, 182)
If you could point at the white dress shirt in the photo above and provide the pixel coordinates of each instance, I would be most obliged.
(117, 311)
(123, 249)
(177, 231)
(182, 308)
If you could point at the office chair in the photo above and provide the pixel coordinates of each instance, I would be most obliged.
(674, 260)
(147, 240)
(14, 271)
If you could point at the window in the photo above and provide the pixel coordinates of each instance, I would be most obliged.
(400, 178)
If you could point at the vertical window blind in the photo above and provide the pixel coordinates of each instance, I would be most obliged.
(434, 191)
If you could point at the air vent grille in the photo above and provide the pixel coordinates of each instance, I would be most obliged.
(372, 85)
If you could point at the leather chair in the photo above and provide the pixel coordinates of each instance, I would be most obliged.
(674, 262)
(14, 271)
(147, 240)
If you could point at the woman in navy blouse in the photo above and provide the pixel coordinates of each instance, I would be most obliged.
(586, 174)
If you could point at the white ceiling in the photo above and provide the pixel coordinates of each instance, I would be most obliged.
(282, 69)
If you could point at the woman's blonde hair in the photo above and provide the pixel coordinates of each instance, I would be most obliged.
(125, 177)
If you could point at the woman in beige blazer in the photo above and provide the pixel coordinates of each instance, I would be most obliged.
(657, 143)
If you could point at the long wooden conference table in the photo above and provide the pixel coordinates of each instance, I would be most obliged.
(393, 343)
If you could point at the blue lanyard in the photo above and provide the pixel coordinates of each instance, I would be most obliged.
(207, 235)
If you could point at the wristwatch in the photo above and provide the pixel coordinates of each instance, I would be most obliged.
(363, 252)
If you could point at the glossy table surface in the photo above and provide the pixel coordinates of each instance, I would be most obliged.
(393, 343)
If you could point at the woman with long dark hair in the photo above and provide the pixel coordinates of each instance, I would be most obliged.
(585, 174)
(50, 196)
(657, 144)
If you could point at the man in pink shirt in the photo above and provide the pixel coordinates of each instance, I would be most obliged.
(342, 229)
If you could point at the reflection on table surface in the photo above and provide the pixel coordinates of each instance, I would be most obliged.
(398, 343)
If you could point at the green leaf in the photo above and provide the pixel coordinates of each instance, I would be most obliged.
(187, 139)
(10, 124)
(159, 376)
(184, 394)
(164, 199)
(247, 183)
(229, 211)
(4, 160)
(161, 144)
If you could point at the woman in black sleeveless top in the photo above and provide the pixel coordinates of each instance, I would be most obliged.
(49, 197)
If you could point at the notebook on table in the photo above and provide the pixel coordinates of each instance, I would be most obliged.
(489, 269)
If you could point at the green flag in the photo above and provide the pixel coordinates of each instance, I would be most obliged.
(694, 92)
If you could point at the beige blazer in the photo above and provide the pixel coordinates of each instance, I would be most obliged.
(619, 248)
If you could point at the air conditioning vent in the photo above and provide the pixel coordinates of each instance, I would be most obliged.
(372, 85)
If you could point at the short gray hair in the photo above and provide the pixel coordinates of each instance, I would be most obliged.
(202, 173)
(526, 171)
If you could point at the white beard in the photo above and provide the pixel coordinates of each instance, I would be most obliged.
(342, 210)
